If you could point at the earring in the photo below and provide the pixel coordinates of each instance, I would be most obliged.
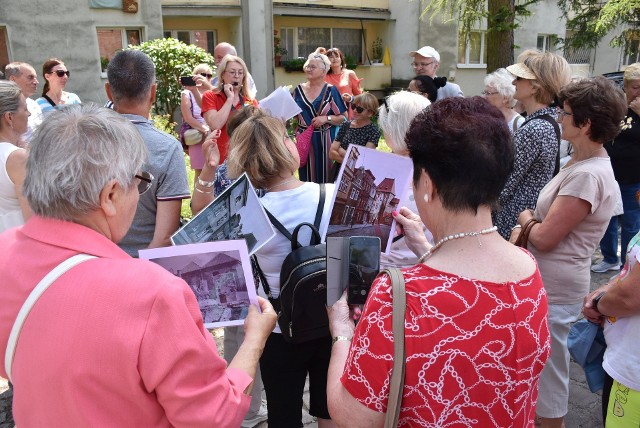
(426, 198)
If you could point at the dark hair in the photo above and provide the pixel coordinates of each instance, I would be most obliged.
(428, 85)
(131, 74)
(46, 69)
(466, 148)
(596, 100)
(343, 64)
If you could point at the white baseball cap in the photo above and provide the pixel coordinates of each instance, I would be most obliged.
(427, 52)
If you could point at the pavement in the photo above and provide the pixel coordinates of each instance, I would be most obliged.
(584, 406)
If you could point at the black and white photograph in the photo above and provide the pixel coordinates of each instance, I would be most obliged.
(370, 186)
(218, 273)
(235, 214)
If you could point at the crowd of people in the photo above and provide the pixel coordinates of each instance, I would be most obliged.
(85, 188)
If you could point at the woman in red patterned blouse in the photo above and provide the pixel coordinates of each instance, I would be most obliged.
(476, 335)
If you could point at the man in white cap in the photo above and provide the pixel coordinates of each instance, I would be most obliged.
(426, 61)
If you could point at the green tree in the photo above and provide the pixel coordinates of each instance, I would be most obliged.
(591, 20)
(172, 59)
(501, 16)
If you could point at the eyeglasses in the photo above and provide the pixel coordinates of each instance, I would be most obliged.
(561, 113)
(359, 109)
(487, 93)
(61, 73)
(421, 64)
(145, 181)
(312, 68)
(235, 73)
(385, 104)
(207, 75)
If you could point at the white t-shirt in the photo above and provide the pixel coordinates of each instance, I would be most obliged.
(10, 211)
(622, 357)
(34, 120)
(290, 207)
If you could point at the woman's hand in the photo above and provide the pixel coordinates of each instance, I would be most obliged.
(347, 98)
(259, 324)
(635, 105)
(202, 81)
(318, 121)
(210, 149)
(589, 312)
(525, 216)
(340, 322)
(410, 224)
(228, 91)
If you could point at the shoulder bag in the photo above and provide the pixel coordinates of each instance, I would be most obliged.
(396, 384)
(303, 139)
(33, 297)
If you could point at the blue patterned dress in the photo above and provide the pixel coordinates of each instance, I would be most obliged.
(318, 167)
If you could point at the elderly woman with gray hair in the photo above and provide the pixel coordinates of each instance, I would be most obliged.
(394, 117)
(111, 329)
(323, 109)
(499, 91)
(14, 116)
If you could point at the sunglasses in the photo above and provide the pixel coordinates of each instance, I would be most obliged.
(207, 75)
(61, 73)
(359, 109)
(145, 181)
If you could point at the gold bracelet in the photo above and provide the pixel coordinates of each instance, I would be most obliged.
(202, 191)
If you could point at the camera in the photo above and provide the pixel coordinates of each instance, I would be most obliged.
(187, 81)
(352, 263)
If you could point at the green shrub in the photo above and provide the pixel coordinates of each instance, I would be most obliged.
(172, 59)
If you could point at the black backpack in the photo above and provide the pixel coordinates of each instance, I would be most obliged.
(301, 305)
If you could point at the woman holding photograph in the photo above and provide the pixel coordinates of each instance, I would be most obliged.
(467, 298)
(114, 330)
(261, 148)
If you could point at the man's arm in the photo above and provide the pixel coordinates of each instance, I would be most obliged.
(167, 222)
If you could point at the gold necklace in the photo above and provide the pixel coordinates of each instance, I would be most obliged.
(438, 244)
(282, 183)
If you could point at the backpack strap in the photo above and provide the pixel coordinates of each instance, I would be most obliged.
(320, 209)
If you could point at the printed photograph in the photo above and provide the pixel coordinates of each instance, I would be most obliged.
(370, 186)
(235, 214)
(218, 273)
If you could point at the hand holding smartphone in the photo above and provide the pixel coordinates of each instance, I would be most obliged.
(187, 81)
(352, 263)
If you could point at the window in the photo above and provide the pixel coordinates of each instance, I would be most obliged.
(4, 48)
(111, 40)
(201, 38)
(474, 52)
(546, 42)
(575, 55)
(301, 41)
(631, 51)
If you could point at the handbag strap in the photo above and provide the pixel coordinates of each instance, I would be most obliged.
(324, 92)
(46, 97)
(396, 385)
(33, 297)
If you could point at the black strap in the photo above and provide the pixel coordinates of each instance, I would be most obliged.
(46, 97)
(287, 235)
(556, 128)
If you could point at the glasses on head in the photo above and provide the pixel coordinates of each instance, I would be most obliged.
(359, 109)
(207, 75)
(487, 93)
(235, 73)
(313, 68)
(561, 113)
(61, 73)
(385, 103)
(421, 64)
(145, 181)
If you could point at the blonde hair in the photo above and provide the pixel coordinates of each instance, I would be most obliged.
(552, 73)
(368, 101)
(202, 68)
(632, 72)
(257, 148)
(222, 67)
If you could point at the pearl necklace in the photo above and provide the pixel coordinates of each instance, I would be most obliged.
(282, 183)
(455, 236)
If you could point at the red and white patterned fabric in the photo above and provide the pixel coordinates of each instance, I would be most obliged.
(474, 350)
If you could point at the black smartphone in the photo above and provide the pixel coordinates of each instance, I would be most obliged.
(364, 265)
(187, 81)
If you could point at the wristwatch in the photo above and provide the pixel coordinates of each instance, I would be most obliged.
(328, 118)
(596, 299)
(339, 338)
